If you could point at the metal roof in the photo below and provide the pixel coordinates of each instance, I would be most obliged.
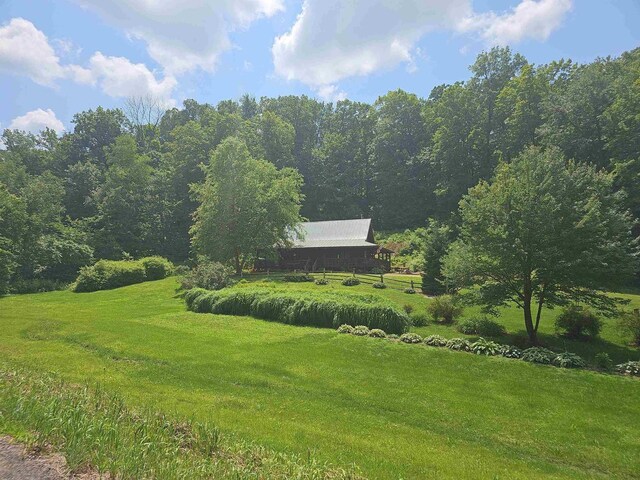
(335, 233)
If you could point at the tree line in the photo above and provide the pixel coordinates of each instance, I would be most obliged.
(124, 182)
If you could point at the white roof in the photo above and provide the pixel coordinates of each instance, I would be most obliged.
(335, 233)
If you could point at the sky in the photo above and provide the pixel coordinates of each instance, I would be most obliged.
(60, 57)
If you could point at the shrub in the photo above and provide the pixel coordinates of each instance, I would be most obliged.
(407, 308)
(157, 268)
(410, 291)
(392, 336)
(344, 328)
(436, 341)
(419, 319)
(568, 360)
(377, 333)
(603, 361)
(410, 338)
(36, 285)
(459, 344)
(208, 275)
(482, 326)
(538, 355)
(108, 274)
(509, 351)
(297, 277)
(361, 331)
(443, 309)
(379, 285)
(629, 368)
(577, 322)
(320, 308)
(350, 282)
(322, 281)
(630, 324)
(485, 347)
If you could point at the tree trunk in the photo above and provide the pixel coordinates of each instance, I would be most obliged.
(528, 318)
(238, 263)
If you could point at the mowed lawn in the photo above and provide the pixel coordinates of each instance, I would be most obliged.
(394, 410)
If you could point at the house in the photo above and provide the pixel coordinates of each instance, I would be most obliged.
(338, 245)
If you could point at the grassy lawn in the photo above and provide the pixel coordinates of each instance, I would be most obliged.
(396, 411)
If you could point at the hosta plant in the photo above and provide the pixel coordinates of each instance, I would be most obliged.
(361, 330)
(436, 341)
(509, 351)
(459, 344)
(350, 282)
(345, 329)
(410, 338)
(322, 281)
(379, 285)
(538, 355)
(485, 347)
(629, 368)
(569, 360)
(377, 333)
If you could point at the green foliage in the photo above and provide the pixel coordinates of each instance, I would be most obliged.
(157, 268)
(407, 307)
(459, 344)
(321, 281)
(482, 326)
(562, 217)
(538, 355)
(410, 338)
(437, 238)
(379, 285)
(419, 319)
(298, 277)
(344, 328)
(408, 247)
(444, 309)
(603, 361)
(207, 275)
(629, 368)
(410, 291)
(576, 321)
(436, 341)
(350, 282)
(321, 309)
(509, 351)
(568, 360)
(377, 333)
(630, 325)
(485, 347)
(361, 331)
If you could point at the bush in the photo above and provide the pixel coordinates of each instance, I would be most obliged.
(361, 331)
(482, 326)
(485, 347)
(108, 274)
(379, 285)
(322, 281)
(157, 268)
(419, 319)
(377, 333)
(459, 344)
(603, 361)
(407, 308)
(443, 309)
(410, 291)
(630, 324)
(350, 282)
(509, 351)
(569, 360)
(410, 338)
(208, 275)
(538, 355)
(578, 322)
(36, 285)
(629, 368)
(321, 309)
(344, 328)
(297, 277)
(393, 336)
(436, 341)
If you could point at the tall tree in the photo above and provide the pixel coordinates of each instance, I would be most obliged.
(246, 206)
(545, 232)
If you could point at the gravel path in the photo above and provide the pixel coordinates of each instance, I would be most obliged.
(17, 464)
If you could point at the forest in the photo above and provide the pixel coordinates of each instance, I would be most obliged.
(121, 183)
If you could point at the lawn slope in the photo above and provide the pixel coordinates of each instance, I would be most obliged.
(394, 410)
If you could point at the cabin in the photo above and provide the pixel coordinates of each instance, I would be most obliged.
(336, 245)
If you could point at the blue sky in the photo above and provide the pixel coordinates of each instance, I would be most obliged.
(61, 57)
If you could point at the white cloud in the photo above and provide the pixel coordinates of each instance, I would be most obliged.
(335, 39)
(25, 50)
(331, 93)
(182, 35)
(37, 120)
(529, 19)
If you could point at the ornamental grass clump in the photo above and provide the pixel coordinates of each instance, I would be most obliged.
(436, 341)
(603, 362)
(410, 338)
(540, 355)
(485, 347)
(444, 309)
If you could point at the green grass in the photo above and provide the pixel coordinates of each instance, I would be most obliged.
(394, 410)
